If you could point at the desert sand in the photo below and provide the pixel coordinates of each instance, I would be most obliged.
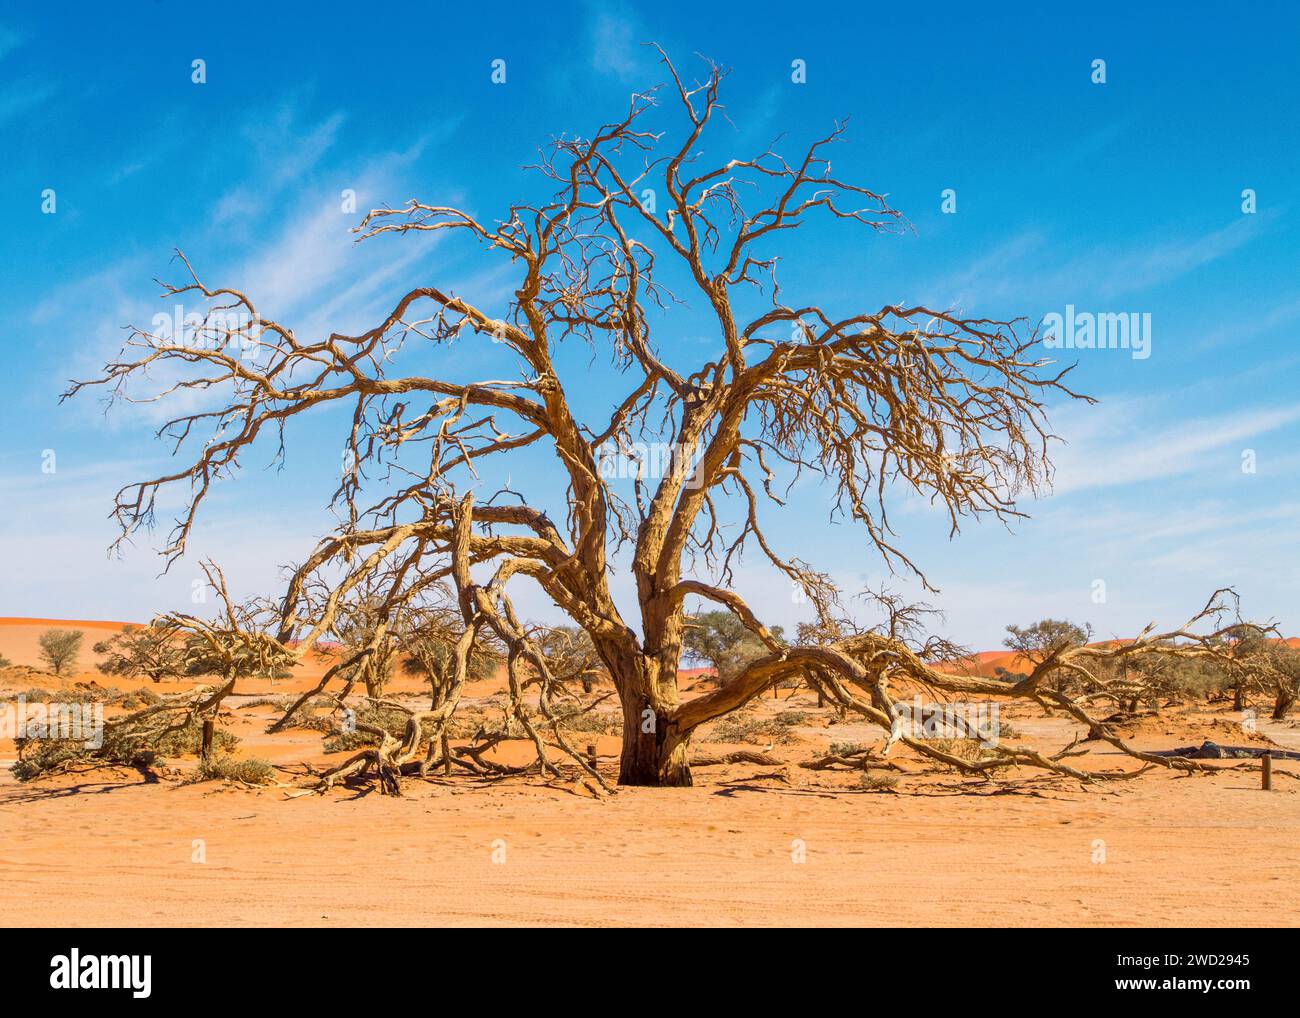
(108, 847)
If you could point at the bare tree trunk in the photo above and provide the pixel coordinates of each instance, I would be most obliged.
(1285, 700)
(654, 753)
(658, 758)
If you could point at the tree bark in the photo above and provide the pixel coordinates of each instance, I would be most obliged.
(655, 754)
(1283, 703)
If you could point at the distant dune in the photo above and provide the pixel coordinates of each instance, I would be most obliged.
(19, 638)
(7, 620)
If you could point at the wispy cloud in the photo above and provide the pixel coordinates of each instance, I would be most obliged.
(1027, 267)
(1126, 442)
(615, 41)
(283, 151)
(19, 98)
(1249, 325)
(10, 40)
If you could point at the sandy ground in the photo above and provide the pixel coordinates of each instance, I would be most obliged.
(1178, 852)
(105, 847)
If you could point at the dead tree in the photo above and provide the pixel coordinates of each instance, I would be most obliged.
(868, 399)
(234, 644)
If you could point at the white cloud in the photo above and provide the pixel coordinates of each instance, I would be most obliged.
(615, 47)
(1026, 268)
(10, 40)
(1121, 442)
(21, 97)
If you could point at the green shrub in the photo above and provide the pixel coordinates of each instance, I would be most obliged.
(349, 742)
(390, 719)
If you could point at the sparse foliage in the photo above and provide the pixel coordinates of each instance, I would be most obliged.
(142, 650)
(722, 641)
(60, 648)
(1046, 637)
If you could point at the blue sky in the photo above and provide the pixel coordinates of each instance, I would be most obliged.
(1117, 197)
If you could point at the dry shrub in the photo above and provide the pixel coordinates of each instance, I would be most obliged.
(220, 767)
(963, 749)
(594, 722)
(743, 727)
(122, 746)
(187, 740)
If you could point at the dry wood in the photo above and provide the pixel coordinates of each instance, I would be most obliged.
(867, 399)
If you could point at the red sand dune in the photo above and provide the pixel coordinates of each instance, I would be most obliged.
(19, 638)
(19, 643)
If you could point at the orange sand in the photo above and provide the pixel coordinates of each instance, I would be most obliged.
(103, 847)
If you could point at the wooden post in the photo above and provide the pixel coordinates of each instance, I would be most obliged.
(591, 755)
(1267, 773)
(209, 729)
(446, 755)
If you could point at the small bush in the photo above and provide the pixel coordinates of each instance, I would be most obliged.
(308, 718)
(188, 739)
(963, 749)
(742, 728)
(349, 742)
(30, 695)
(592, 721)
(51, 755)
(390, 719)
(142, 697)
(48, 755)
(879, 782)
(220, 767)
(78, 694)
